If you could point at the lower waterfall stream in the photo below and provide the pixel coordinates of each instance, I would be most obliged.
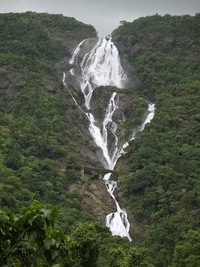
(101, 67)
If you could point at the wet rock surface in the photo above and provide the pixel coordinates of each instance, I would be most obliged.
(95, 198)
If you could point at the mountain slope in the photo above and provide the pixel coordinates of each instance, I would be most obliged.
(45, 137)
(37, 124)
(162, 190)
(42, 132)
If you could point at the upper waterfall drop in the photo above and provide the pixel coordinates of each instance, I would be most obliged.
(74, 57)
(101, 67)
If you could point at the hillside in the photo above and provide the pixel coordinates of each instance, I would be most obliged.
(37, 123)
(162, 190)
(45, 143)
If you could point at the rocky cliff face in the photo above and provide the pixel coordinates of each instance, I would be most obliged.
(99, 102)
(95, 198)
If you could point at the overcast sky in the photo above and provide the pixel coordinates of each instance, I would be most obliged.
(104, 15)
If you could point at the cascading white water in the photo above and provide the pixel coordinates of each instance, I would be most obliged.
(76, 52)
(102, 67)
(117, 221)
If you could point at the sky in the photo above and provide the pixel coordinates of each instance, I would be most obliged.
(104, 15)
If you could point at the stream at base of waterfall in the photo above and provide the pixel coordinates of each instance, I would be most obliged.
(101, 67)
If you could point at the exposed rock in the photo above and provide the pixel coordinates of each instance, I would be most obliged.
(95, 198)
(87, 47)
(8, 88)
(63, 65)
(3, 82)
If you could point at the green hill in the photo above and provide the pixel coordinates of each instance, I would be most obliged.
(40, 133)
(36, 134)
(163, 190)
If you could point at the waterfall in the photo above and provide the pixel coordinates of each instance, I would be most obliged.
(101, 67)
(75, 54)
(117, 221)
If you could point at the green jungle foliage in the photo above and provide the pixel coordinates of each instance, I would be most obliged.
(38, 135)
(31, 238)
(162, 188)
(38, 132)
(31, 43)
(34, 129)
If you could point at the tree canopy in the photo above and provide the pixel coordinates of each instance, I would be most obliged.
(39, 133)
(162, 189)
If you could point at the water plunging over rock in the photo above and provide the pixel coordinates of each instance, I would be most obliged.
(91, 70)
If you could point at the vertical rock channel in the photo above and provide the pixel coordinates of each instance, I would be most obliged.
(101, 67)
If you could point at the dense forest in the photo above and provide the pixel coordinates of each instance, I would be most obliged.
(42, 222)
(34, 128)
(163, 188)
